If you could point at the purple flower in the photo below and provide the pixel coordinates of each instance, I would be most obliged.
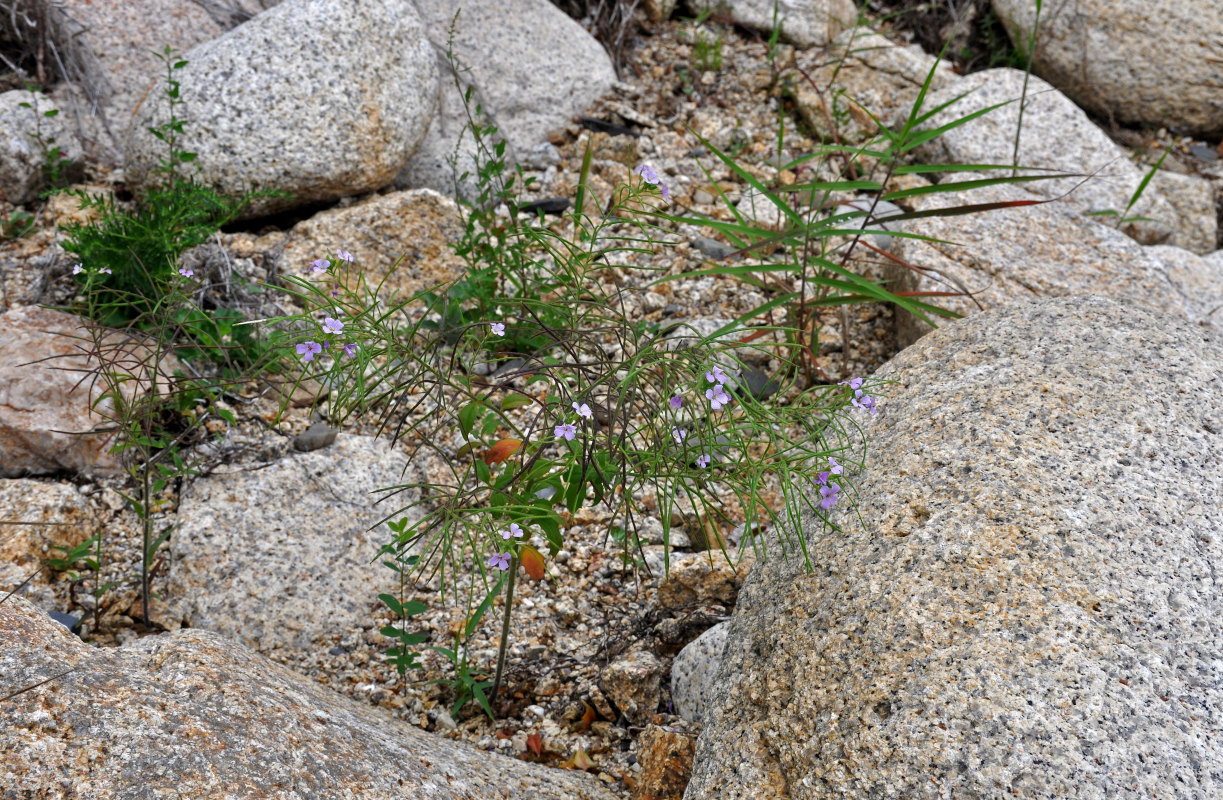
(344, 255)
(717, 397)
(829, 493)
(498, 328)
(566, 431)
(76, 269)
(665, 191)
(702, 461)
(105, 271)
(678, 435)
(854, 383)
(350, 350)
(867, 402)
(834, 467)
(716, 375)
(676, 401)
(319, 265)
(332, 325)
(308, 350)
(499, 560)
(647, 173)
(514, 531)
(822, 479)
(583, 410)
(336, 291)
(186, 272)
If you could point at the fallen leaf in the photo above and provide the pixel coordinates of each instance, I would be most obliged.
(588, 717)
(579, 760)
(532, 562)
(501, 451)
(535, 743)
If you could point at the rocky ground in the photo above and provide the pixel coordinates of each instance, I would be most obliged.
(585, 642)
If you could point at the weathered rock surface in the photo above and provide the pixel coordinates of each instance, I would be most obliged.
(1029, 605)
(1056, 135)
(192, 714)
(695, 578)
(633, 683)
(24, 135)
(1035, 251)
(417, 225)
(48, 401)
(276, 557)
(109, 48)
(532, 67)
(1154, 62)
(1193, 200)
(665, 756)
(37, 517)
(693, 672)
(320, 98)
(803, 22)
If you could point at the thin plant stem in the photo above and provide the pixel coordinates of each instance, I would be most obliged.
(1023, 95)
(505, 630)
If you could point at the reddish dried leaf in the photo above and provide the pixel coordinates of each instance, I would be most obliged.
(589, 717)
(501, 451)
(535, 743)
(532, 562)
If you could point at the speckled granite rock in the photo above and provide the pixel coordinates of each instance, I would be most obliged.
(1193, 200)
(1152, 62)
(278, 556)
(1035, 251)
(320, 98)
(532, 68)
(1056, 135)
(50, 514)
(803, 22)
(665, 756)
(47, 412)
(110, 48)
(1030, 603)
(704, 577)
(192, 714)
(22, 160)
(418, 225)
(633, 682)
(693, 672)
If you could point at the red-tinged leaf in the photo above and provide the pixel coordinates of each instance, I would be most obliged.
(532, 562)
(579, 760)
(505, 733)
(502, 450)
(588, 717)
(535, 743)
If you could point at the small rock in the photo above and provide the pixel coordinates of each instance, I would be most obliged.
(759, 384)
(316, 437)
(666, 763)
(693, 671)
(700, 578)
(67, 620)
(633, 682)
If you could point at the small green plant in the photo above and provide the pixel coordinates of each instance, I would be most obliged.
(55, 163)
(1123, 217)
(707, 53)
(16, 224)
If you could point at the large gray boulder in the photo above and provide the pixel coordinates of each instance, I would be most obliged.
(532, 68)
(1153, 62)
(320, 98)
(1055, 135)
(191, 714)
(280, 556)
(803, 22)
(1029, 603)
(26, 136)
(1007, 255)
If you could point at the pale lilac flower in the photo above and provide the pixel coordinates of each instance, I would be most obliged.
(76, 269)
(498, 328)
(583, 410)
(853, 383)
(344, 255)
(702, 461)
(665, 191)
(716, 375)
(834, 467)
(332, 325)
(566, 431)
(106, 271)
(514, 531)
(350, 350)
(678, 435)
(336, 291)
(717, 397)
(867, 402)
(676, 401)
(319, 265)
(829, 493)
(647, 173)
(499, 560)
(186, 272)
(308, 350)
